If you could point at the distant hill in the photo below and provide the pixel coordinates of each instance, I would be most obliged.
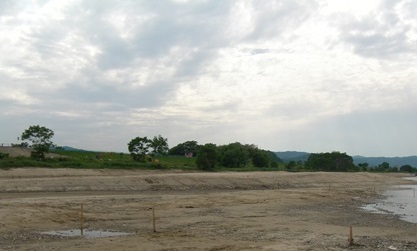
(69, 148)
(393, 161)
(288, 156)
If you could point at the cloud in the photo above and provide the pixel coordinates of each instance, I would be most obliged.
(274, 18)
(385, 33)
(220, 71)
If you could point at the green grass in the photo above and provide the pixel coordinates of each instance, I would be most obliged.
(250, 168)
(100, 160)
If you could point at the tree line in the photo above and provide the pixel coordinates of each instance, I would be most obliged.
(210, 156)
(234, 155)
(144, 149)
(341, 162)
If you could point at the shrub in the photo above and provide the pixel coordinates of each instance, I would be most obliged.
(207, 157)
(4, 155)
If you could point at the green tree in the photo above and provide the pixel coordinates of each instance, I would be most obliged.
(384, 166)
(159, 145)
(207, 157)
(393, 169)
(407, 168)
(190, 147)
(234, 155)
(334, 161)
(363, 166)
(139, 147)
(186, 148)
(177, 150)
(4, 155)
(40, 137)
(290, 166)
(261, 159)
(273, 158)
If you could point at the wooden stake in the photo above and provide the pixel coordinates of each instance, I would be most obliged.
(153, 220)
(329, 187)
(351, 236)
(82, 219)
(414, 192)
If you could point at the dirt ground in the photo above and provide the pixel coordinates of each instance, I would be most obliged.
(23, 151)
(198, 211)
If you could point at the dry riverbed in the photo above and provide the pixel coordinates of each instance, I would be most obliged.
(197, 211)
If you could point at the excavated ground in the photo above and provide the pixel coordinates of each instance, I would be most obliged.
(198, 211)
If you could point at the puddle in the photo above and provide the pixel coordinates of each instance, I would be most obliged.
(399, 200)
(89, 234)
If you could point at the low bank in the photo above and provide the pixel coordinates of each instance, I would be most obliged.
(62, 180)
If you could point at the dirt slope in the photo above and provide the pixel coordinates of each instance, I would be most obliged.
(21, 151)
(15, 151)
(198, 211)
(43, 179)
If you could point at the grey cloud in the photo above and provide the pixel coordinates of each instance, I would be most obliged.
(194, 26)
(46, 41)
(379, 45)
(298, 108)
(273, 18)
(382, 34)
(226, 107)
(117, 98)
(197, 26)
(115, 53)
(259, 51)
(256, 51)
(169, 25)
(9, 6)
(191, 66)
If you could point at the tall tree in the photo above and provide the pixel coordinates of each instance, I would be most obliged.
(139, 147)
(159, 145)
(234, 155)
(188, 148)
(40, 137)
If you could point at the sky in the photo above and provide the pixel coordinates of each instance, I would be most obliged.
(304, 75)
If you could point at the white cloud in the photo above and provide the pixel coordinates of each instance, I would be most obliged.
(257, 72)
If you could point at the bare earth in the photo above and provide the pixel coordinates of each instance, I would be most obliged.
(198, 211)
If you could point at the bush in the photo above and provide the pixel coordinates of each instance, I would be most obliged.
(234, 155)
(4, 155)
(207, 157)
(334, 162)
(260, 159)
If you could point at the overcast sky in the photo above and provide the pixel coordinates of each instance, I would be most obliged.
(302, 75)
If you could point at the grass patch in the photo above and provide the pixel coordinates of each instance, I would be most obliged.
(111, 160)
(99, 160)
(250, 168)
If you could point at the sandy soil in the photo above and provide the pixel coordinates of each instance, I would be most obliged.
(25, 152)
(198, 211)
